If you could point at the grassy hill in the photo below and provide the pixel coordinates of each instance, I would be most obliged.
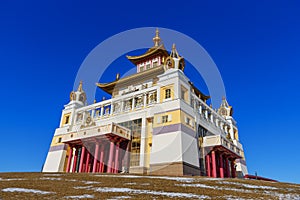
(127, 186)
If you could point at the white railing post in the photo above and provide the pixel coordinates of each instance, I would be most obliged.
(111, 108)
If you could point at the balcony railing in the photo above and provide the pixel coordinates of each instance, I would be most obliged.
(126, 103)
(210, 117)
(220, 140)
(98, 131)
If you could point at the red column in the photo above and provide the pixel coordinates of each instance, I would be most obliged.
(232, 168)
(111, 156)
(96, 157)
(214, 164)
(75, 160)
(227, 168)
(69, 159)
(117, 158)
(208, 170)
(81, 159)
(221, 166)
(87, 161)
(101, 166)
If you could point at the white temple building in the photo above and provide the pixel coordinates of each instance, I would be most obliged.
(156, 122)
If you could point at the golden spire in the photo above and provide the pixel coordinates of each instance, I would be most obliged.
(117, 76)
(174, 53)
(156, 39)
(173, 47)
(80, 87)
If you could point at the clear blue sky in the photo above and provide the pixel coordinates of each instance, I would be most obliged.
(256, 46)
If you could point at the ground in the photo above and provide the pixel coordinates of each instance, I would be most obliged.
(128, 186)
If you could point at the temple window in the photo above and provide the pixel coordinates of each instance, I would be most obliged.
(141, 68)
(67, 119)
(148, 66)
(155, 64)
(187, 121)
(167, 93)
(152, 98)
(184, 94)
(165, 119)
(79, 117)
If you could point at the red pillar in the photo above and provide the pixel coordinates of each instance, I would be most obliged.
(69, 159)
(214, 164)
(75, 160)
(110, 157)
(96, 157)
(87, 161)
(208, 170)
(81, 159)
(221, 166)
(117, 158)
(227, 168)
(232, 168)
(101, 166)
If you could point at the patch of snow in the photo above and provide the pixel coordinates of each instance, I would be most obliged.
(90, 182)
(283, 196)
(180, 179)
(71, 180)
(215, 187)
(25, 190)
(249, 186)
(50, 178)
(119, 197)
(197, 185)
(51, 174)
(83, 187)
(84, 196)
(12, 179)
(130, 183)
(232, 198)
(161, 193)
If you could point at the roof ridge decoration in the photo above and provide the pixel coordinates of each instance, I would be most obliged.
(80, 87)
(156, 39)
(174, 52)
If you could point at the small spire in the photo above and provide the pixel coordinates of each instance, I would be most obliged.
(95, 101)
(174, 53)
(156, 39)
(118, 76)
(80, 87)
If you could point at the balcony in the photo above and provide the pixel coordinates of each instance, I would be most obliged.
(98, 132)
(134, 101)
(220, 140)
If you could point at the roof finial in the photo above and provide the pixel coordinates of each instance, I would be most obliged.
(174, 53)
(117, 76)
(156, 39)
(80, 87)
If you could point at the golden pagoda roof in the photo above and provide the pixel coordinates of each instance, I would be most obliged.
(129, 80)
(198, 92)
(153, 50)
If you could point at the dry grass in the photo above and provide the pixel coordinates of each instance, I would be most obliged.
(99, 186)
